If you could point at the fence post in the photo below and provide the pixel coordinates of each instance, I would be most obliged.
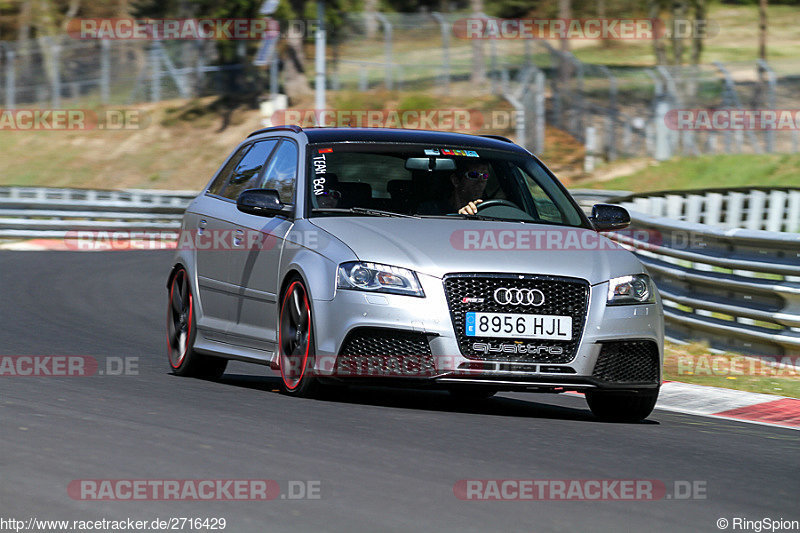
(105, 70)
(591, 149)
(362, 78)
(273, 75)
(539, 114)
(611, 120)
(155, 66)
(387, 31)
(55, 96)
(445, 47)
(627, 139)
(493, 64)
(731, 100)
(662, 137)
(10, 87)
(763, 67)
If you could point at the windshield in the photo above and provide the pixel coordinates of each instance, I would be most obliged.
(434, 181)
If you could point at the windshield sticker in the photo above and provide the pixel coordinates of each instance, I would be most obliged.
(462, 153)
(433, 151)
(320, 169)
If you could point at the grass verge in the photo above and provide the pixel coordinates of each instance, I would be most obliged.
(740, 170)
(694, 363)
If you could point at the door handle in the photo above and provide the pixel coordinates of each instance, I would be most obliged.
(201, 226)
(238, 237)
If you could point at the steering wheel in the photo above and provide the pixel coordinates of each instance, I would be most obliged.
(494, 203)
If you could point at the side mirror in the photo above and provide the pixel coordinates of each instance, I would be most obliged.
(607, 217)
(262, 202)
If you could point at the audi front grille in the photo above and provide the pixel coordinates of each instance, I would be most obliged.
(475, 292)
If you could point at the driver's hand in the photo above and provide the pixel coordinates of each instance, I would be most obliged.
(470, 209)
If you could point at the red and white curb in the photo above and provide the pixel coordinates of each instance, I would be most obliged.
(35, 245)
(730, 404)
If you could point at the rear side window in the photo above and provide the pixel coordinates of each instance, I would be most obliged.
(246, 172)
(281, 173)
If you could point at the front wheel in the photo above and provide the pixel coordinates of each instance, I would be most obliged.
(183, 359)
(296, 342)
(621, 406)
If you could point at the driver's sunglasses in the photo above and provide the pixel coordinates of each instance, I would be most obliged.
(476, 175)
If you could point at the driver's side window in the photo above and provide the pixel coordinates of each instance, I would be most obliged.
(244, 170)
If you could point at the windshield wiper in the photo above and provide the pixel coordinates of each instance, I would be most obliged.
(461, 216)
(362, 211)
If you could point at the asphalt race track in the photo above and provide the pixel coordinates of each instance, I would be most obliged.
(384, 459)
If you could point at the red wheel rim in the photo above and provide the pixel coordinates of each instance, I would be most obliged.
(294, 335)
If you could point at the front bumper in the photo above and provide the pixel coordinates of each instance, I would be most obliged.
(430, 316)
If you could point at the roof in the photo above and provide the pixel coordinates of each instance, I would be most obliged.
(390, 135)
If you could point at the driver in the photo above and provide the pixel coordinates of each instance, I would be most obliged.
(469, 183)
(468, 187)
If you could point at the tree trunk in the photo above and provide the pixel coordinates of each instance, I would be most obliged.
(659, 49)
(294, 72)
(700, 15)
(371, 22)
(601, 14)
(679, 10)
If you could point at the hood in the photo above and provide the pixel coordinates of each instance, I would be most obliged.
(436, 247)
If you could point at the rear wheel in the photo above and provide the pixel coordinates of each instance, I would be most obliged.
(622, 406)
(183, 359)
(296, 342)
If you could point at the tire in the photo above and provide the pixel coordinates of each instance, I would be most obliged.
(467, 393)
(622, 407)
(296, 342)
(181, 332)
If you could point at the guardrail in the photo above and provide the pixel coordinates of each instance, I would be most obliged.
(737, 288)
(55, 213)
(723, 278)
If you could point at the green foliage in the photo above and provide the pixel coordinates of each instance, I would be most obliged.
(417, 101)
(740, 170)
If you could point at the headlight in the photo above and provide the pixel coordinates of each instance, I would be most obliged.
(636, 289)
(374, 277)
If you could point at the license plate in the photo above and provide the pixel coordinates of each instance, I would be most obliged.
(519, 326)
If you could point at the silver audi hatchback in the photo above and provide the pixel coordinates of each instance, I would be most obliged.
(418, 258)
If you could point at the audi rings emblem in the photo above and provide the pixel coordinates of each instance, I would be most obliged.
(505, 296)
